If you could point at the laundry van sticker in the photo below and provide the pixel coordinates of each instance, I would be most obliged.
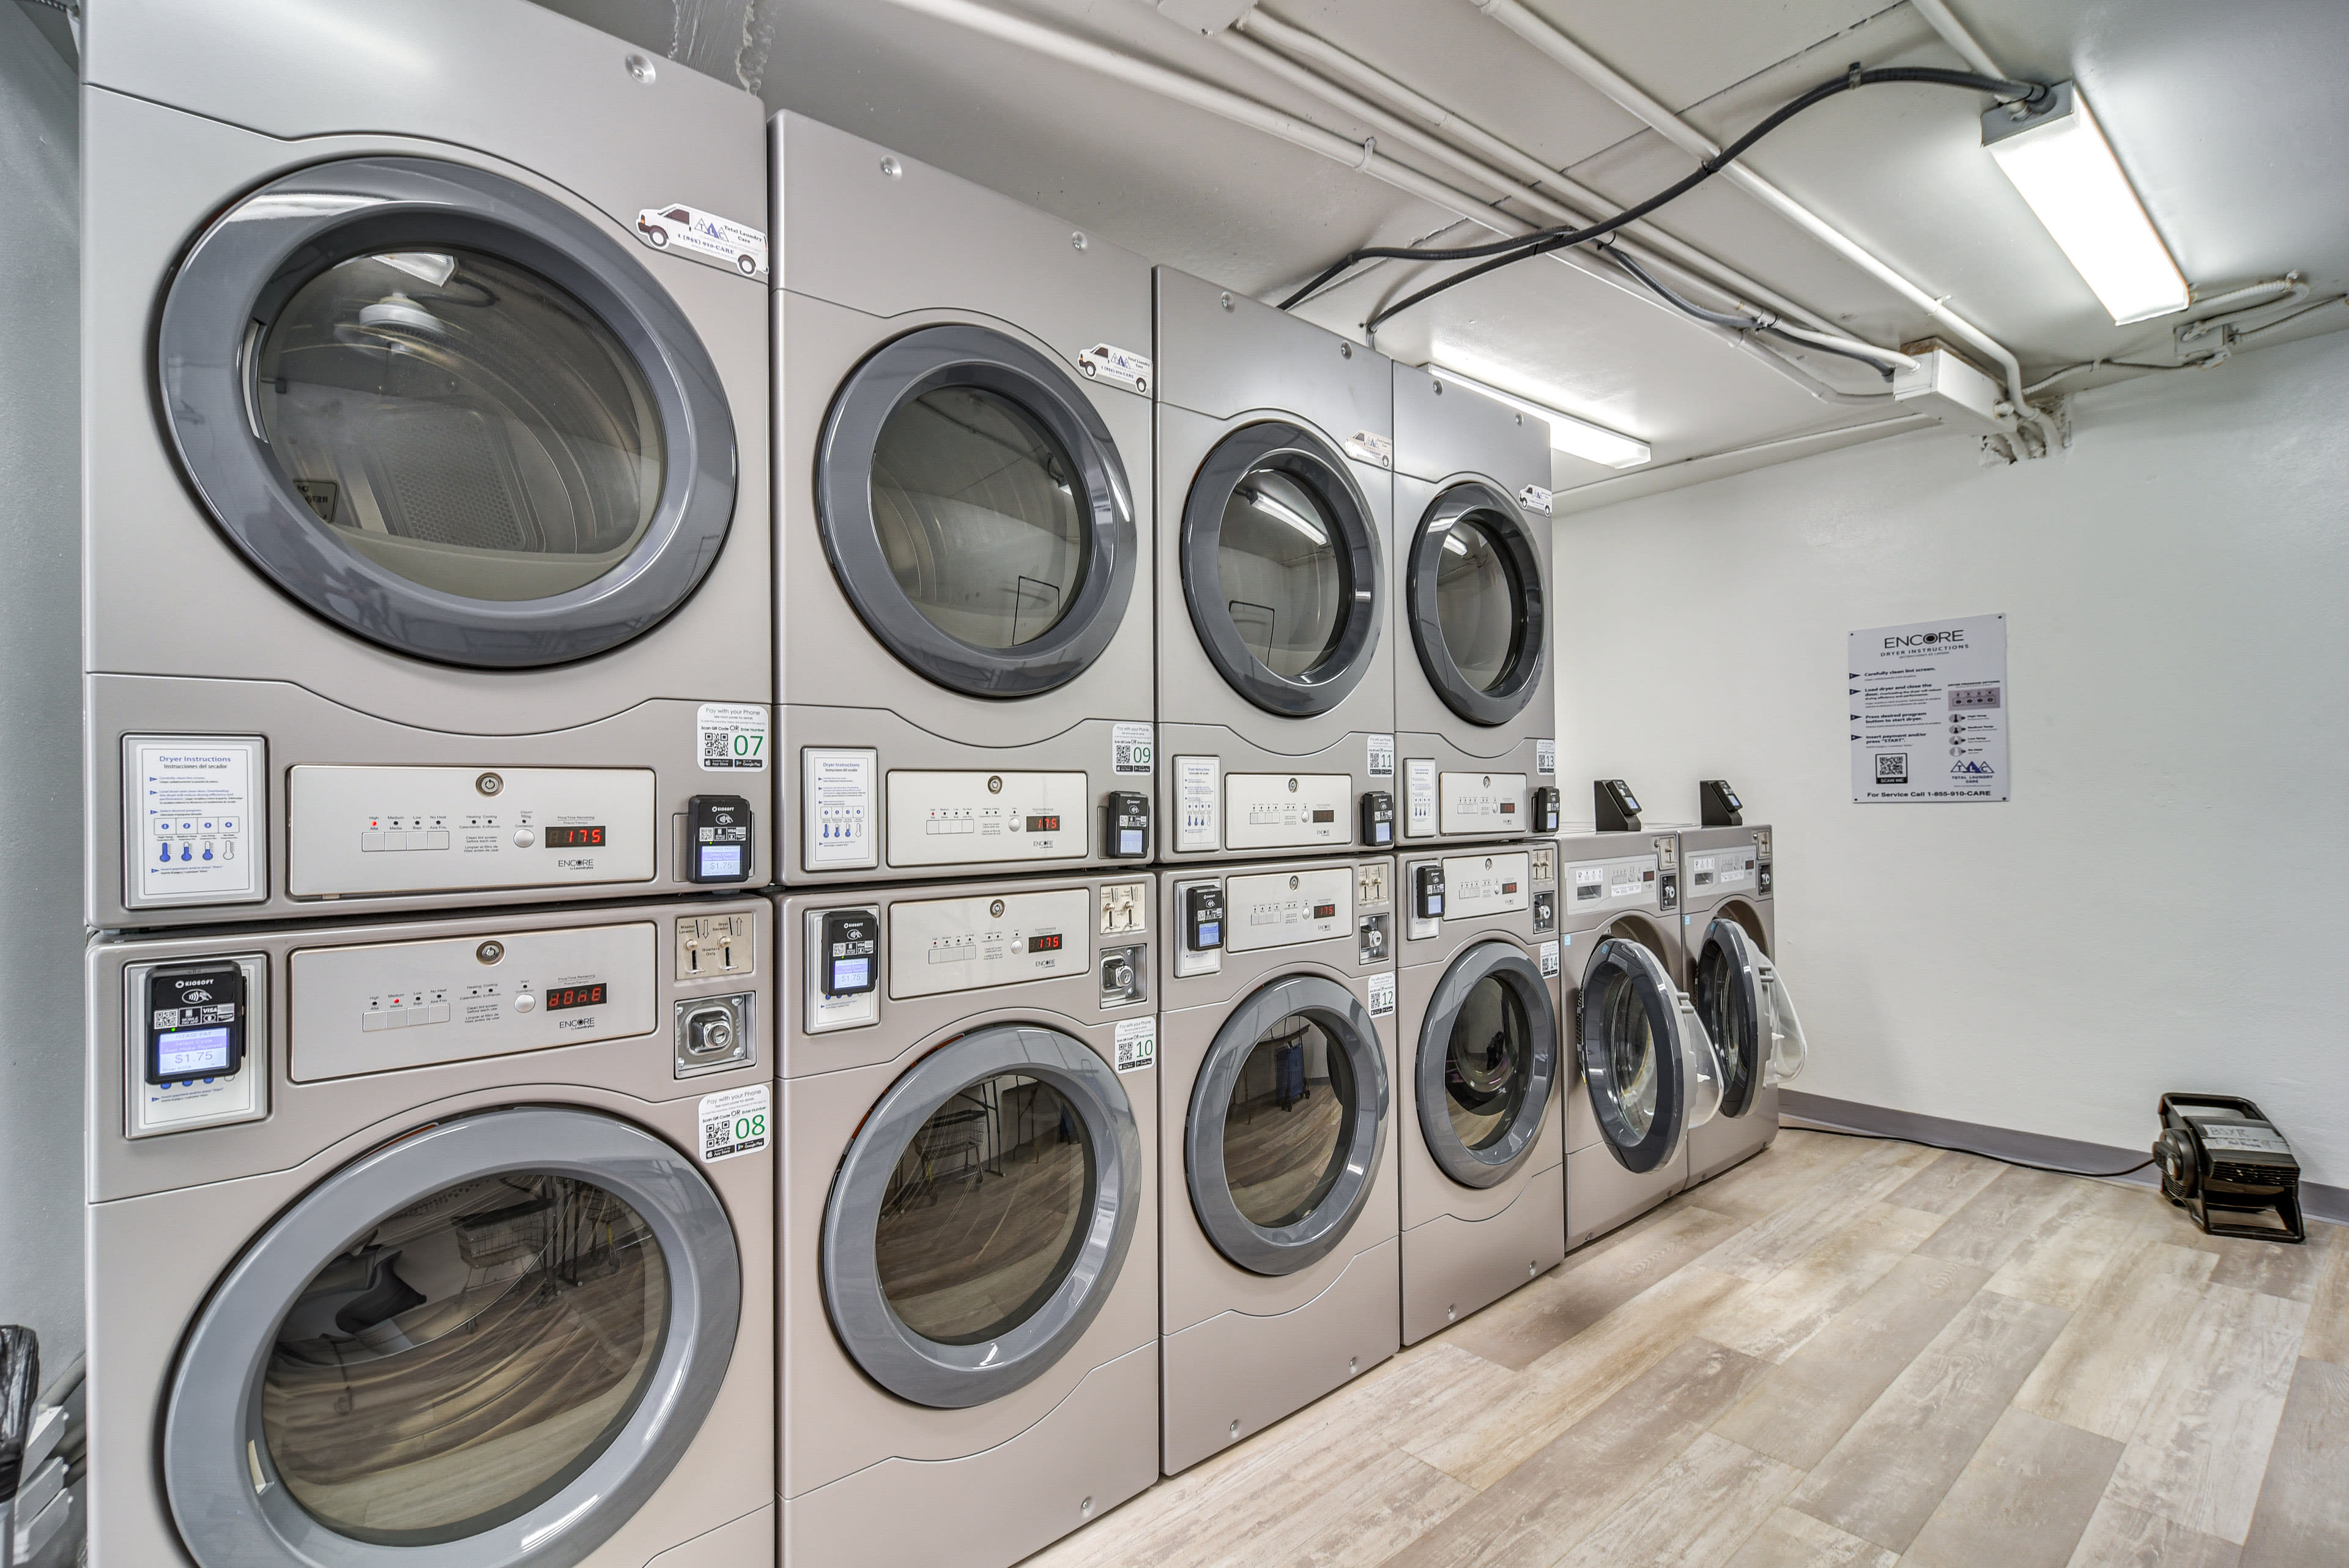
(1120, 367)
(735, 1122)
(1928, 704)
(705, 237)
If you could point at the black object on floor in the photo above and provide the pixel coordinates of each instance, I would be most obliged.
(2220, 1152)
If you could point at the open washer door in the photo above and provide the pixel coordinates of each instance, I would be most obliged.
(1746, 1009)
(1287, 1123)
(483, 1346)
(1652, 1070)
(1487, 1062)
(1477, 606)
(981, 1215)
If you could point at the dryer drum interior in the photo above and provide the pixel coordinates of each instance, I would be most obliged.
(447, 412)
(1487, 1060)
(1477, 606)
(444, 1348)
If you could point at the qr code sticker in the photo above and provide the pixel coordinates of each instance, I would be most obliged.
(1892, 767)
(1132, 750)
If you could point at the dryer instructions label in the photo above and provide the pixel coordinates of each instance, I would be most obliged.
(192, 830)
(837, 809)
(1196, 826)
(1419, 798)
(1137, 1043)
(733, 736)
(1132, 749)
(1383, 994)
(1928, 710)
(737, 1122)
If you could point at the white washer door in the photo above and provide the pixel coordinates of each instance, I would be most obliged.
(483, 1346)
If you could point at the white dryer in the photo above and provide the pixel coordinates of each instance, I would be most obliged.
(1276, 605)
(970, 1225)
(1480, 1098)
(963, 526)
(1728, 941)
(1648, 1074)
(425, 555)
(1277, 1192)
(1475, 698)
(445, 1240)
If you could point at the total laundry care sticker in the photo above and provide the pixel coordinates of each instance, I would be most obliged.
(733, 736)
(1383, 994)
(1107, 362)
(735, 1122)
(1131, 749)
(1137, 1043)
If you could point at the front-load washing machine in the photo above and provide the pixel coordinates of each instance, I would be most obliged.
(969, 1225)
(1479, 1096)
(435, 1241)
(963, 537)
(1276, 1181)
(1729, 943)
(424, 546)
(1646, 1073)
(1476, 697)
(1276, 636)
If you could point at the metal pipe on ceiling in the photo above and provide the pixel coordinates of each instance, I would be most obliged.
(1944, 21)
(1627, 94)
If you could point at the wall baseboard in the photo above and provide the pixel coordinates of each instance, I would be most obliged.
(2316, 1201)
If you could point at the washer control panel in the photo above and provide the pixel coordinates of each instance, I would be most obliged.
(354, 831)
(375, 1007)
(1285, 811)
(1478, 885)
(1717, 873)
(1282, 908)
(195, 1043)
(938, 945)
(970, 818)
(1603, 886)
(1483, 803)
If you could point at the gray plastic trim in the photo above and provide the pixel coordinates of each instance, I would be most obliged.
(1507, 697)
(212, 1438)
(961, 354)
(1304, 457)
(1507, 963)
(1618, 964)
(1741, 1044)
(261, 250)
(956, 1377)
(1255, 1248)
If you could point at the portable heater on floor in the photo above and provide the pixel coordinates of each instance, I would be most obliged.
(2221, 1153)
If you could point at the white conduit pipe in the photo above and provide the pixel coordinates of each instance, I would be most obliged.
(1167, 82)
(1514, 16)
(1945, 22)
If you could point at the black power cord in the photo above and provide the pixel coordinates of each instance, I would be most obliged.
(1953, 1148)
(1516, 248)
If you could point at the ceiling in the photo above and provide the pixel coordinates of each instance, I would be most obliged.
(2225, 116)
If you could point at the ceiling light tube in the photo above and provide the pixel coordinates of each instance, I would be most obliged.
(1576, 438)
(2064, 168)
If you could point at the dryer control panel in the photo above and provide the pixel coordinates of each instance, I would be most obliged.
(354, 831)
(1283, 811)
(956, 818)
(1281, 909)
(939, 945)
(1483, 803)
(1478, 885)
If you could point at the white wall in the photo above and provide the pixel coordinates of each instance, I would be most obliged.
(2161, 906)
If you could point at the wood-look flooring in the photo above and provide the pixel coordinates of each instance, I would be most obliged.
(1842, 1352)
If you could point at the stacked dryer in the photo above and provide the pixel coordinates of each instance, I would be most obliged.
(426, 569)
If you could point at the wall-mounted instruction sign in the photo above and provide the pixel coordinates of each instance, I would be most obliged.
(1927, 706)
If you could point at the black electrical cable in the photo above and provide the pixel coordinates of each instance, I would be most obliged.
(1978, 1154)
(1518, 247)
(1621, 259)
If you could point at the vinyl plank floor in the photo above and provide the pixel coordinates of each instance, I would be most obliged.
(1780, 1315)
(1792, 1540)
(2111, 1356)
(2327, 1338)
(1766, 1246)
(2023, 1501)
(2119, 1536)
(1994, 1221)
(1947, 1185)
(1697, 1511)
(2303, 1509)
(1774, 1177)
(2060, 1262)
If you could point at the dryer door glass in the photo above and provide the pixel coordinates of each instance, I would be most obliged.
(1633, 1062)
(984, 1214)
(1284, 1125)
(1281, 568)
(498, 1329)
(1730, 1000)
(447, 412)
(1478, 608)
(975, 512)
(1487, 1062)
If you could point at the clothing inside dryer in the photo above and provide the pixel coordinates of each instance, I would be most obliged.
(462, 421)
(980, 517)
(1283, 571)
(466, 1359)
(1285, 1133)
(1479, 604)
(1488, 1063)
(986, 1210)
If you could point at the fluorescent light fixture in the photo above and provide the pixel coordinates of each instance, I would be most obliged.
(1577, 438)
(2064, 168)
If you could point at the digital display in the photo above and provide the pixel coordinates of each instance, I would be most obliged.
(1211, 933)
(574, 837)
(1044, 823)
(720, 860)
(1325, 815)
(192, 1054)
(560, 997)
(1048, 943)
(851, 974)
(1325, 911)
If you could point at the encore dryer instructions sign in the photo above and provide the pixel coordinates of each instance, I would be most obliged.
(1928, 710)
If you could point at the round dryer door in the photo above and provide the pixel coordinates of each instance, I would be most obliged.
(981, 1215)
(1477, 603)
(1287, 1122)
(1650, 1068)
(1487, 1062)
(446, 412)
(485, 1343)
(1747, 1011)
(975, 512)
(1281, 568)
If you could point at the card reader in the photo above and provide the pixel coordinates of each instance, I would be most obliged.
(1202, 918)
(718, 838)
(1719, 804)
(1616, 807)
(195, 1022)
(851, 947)
(1377, 820)
(1427, 892)
(1127, 824)
(1546, 809)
